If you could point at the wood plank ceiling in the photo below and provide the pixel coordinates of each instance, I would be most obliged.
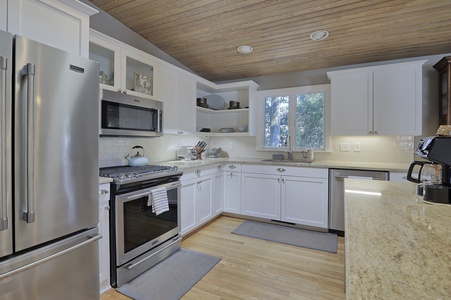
(204, 34)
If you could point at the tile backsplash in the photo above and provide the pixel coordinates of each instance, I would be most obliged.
(384, 149)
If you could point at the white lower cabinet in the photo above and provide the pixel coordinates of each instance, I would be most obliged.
(232, 188)
(201, 198)
(218, 192)
(305, 200)
(261, 195)
(299, 197)
(104, 229)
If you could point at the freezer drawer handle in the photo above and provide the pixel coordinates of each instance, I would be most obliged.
(29, 215)
(3, 215)
(53, 256)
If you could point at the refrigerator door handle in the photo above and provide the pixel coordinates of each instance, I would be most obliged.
(50, 257)
(3, 187)
(29, 215)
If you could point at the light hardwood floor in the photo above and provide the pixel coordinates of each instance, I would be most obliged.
(256, 269)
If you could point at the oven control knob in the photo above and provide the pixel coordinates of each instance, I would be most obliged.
(121, 176)
(129, 175)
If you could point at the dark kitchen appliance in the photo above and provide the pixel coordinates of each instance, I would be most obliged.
(49, 172)
(437, 149)
(139, 238)
(127, 115)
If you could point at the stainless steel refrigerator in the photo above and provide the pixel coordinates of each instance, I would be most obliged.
(49, 172)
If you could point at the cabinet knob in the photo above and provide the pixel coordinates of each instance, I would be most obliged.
(281, 170)
(375, 132)
(107, 207)
(219, 167)
(103, 192)
(197, 172)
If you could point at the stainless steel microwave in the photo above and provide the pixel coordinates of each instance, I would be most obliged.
(127, 115)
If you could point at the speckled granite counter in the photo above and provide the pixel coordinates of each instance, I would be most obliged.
(316, 164)
(397, 246)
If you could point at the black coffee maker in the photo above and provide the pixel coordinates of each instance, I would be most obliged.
(436, 149)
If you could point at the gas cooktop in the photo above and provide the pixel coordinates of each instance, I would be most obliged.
(128, 174)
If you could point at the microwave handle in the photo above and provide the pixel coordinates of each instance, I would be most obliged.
(160, 121)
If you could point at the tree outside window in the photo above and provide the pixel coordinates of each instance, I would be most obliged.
(305, 122)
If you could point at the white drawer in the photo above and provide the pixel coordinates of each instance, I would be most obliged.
(232, 167)
(286, 170)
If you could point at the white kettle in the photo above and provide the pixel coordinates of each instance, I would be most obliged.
(137, 160)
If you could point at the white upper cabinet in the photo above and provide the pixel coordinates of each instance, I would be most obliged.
(177, 90)
(383, 100)
(59, 23)
(122, 68)
(3, 14)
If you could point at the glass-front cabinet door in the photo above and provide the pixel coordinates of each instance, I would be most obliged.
(138, 74)
(108, 56)
(123, 70)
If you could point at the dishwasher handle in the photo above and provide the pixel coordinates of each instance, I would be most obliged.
(358, 177)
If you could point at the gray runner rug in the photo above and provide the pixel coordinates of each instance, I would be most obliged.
(288, 235)
(172, 278)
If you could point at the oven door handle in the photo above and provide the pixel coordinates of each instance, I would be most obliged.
(134, 265)
(148, 192)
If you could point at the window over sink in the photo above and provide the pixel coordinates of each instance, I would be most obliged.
(294, 118)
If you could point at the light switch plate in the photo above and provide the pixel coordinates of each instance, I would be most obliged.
(357, 147)
(344, 147)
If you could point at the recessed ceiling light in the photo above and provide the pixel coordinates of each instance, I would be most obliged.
(319, 35)
(245, 49)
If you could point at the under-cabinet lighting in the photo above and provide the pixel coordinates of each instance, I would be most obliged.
(363, 192)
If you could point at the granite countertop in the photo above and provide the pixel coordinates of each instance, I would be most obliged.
(182, 164)
(397, 246)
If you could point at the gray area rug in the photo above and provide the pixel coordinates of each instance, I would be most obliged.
(287, 235)
(172, 278)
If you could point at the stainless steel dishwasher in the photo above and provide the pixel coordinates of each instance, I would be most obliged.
(336, 193)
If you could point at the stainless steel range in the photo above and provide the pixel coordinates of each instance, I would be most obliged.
(140, 235)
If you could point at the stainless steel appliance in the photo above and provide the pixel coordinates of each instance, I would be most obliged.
(49, 172)
(126, 115)
(336, 193)
(139, 237)
(436, 149)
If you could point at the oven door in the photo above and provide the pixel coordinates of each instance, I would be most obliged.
(138, 230)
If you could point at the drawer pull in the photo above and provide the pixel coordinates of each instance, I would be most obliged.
(103, 192)
(281, 170)
(232, 167)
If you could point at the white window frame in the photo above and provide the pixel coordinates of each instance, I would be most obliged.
(292, 93)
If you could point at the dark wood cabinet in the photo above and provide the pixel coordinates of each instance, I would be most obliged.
(444, 69)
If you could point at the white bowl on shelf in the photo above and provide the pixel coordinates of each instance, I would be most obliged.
(226, 130)
(242, 128)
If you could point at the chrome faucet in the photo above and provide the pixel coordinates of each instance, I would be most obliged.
(288, 144)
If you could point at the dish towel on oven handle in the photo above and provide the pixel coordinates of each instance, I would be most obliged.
(158, 199)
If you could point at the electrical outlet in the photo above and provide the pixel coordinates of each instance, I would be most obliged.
(357, 147)
(344, 147)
